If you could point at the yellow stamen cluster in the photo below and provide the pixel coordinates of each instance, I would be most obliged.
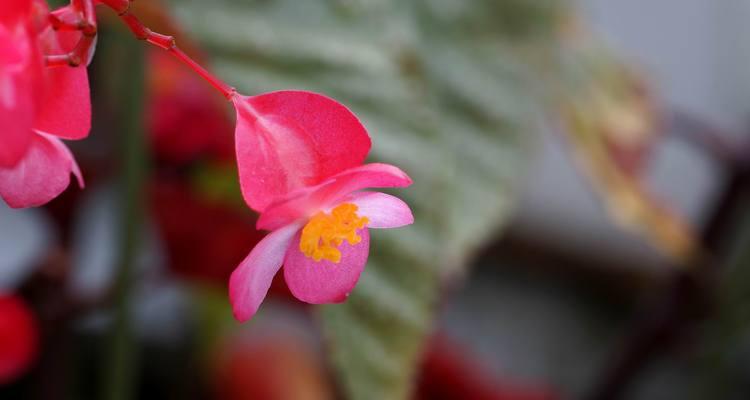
(324, 233)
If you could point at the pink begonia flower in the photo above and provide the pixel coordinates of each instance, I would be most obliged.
(38, 106)
(300, 157)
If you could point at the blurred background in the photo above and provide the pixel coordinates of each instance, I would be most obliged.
(581, 185)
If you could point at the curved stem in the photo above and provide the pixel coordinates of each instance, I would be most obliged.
(168, 43)
(78, 56)
(79, 15)
(226, 90)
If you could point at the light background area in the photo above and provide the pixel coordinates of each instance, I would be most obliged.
(693, 53)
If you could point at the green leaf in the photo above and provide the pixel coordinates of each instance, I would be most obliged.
(455, 108)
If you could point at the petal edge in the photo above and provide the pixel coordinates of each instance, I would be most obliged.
(251, 280)
(41, 175)
(383, 210)
(305, 201)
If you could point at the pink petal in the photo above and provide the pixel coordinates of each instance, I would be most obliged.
(249, 283)
(41, 175)
(322, 282)
(383, 210)
(20, 72)
(274, 155)
(66, 108)
(288, 140)
(16, 123)
(340, 138)
(307, 201)
(12, 11)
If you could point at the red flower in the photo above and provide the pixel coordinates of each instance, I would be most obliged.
(300, 159)
(38, 106)
(19, 340)
(449, 371)
(185, 122)
(207, 245)
(274, 365)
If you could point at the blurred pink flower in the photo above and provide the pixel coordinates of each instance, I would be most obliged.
(275, 365)
(300, 157)
(38, 106)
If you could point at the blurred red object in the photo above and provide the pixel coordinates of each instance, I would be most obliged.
(450, 373)
(19, 338)
(205, 239)
(186, 120)
(278, 366)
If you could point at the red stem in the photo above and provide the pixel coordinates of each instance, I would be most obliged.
(76, 57)
(226, 90)
(81, 16)
(168, 43)
(89, 17)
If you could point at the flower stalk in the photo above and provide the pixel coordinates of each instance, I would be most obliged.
(169, 44)
(79, 15)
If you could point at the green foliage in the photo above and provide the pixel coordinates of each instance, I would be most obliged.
(446, 90)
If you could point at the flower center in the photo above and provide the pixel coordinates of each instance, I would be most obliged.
(324, 233)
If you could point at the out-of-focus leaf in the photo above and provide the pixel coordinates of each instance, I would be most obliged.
(446, 93)
(612, 124)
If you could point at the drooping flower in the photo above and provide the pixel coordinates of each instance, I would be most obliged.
(38, 106)
(300, 157)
